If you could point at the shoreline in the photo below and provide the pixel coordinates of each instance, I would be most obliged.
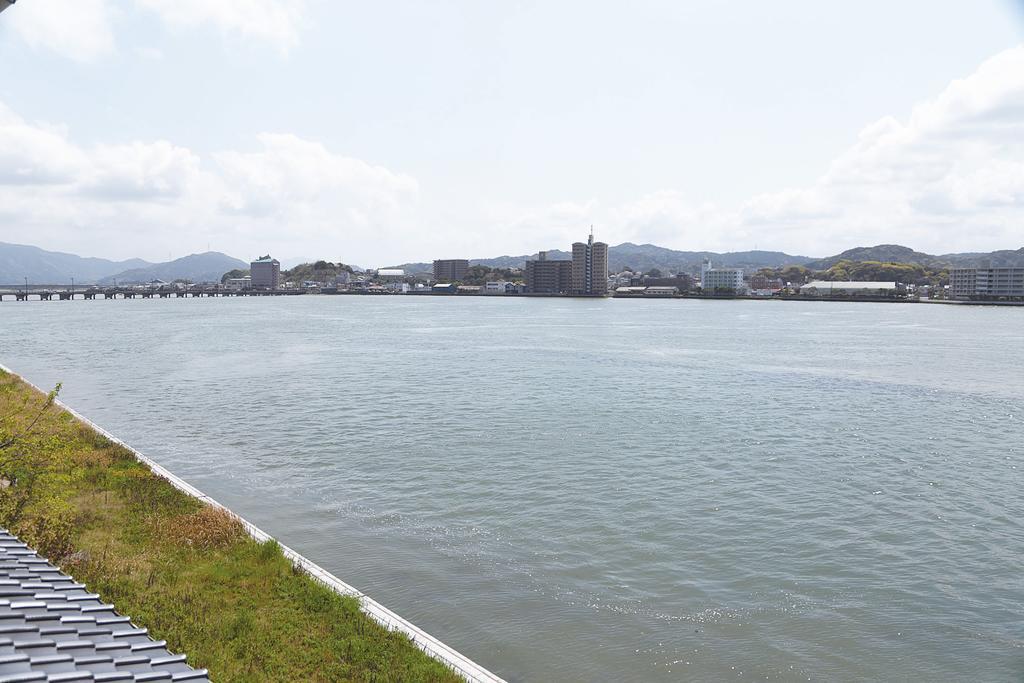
(432, 646)
(85, 294)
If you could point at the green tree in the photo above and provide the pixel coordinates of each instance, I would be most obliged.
(231, 274)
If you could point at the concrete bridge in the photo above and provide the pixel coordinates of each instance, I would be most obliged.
(108, 293)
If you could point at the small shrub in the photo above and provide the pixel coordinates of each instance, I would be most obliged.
(50, 530)
(269, 550)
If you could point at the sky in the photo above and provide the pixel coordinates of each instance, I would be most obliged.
(402, 130)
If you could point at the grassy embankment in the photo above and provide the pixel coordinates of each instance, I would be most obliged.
(187, 572)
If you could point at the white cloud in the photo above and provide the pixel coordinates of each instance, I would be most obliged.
(79, 29)
(274, 21)
(84, 30)
(33, 153)
(947, 177)
(951, 177)
(141, 171)
(149, 197)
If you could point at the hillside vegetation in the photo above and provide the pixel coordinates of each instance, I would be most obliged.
(320, 271)
(906, 273)
(187, 572)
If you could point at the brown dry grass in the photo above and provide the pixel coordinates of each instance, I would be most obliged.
(206, 529)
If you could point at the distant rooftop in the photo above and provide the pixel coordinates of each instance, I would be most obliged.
(52, 629)
(848, 284)
(264, 259)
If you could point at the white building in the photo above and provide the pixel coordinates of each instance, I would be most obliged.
(236, 284)
(866, 288)
(498, 287)
(714, 279)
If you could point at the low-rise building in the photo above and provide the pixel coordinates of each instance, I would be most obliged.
(759, 282)
(237, 284)
(661, 291)
(850, 288)
(496, 287)
(986, 283)
(682, 282)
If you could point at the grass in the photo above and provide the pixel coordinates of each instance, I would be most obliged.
(185, 571)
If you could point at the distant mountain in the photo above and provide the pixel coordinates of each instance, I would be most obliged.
(20, 261)
(644, 257)
(1003, 258)
(206, 267)
(884, 253)
(895, 253)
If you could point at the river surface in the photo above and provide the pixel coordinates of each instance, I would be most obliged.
(581, 490)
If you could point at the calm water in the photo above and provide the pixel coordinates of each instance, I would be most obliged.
(600, 490)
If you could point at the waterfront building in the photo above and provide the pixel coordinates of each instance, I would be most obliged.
(548, 277)
(682, 282)
(705, 266)
(265, 273)
(761, 281)
(845, 288)
(661, 291)
(622, 279)
(450, 270)
(717, 279)
(390, 274)
(986, 283)
(236, 284)
(496, 287)
(589, 268)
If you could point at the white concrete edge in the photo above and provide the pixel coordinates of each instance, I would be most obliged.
(378, 612)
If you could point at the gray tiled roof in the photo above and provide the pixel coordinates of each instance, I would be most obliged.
(53, 629)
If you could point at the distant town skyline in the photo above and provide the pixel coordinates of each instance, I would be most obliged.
(152, 129)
